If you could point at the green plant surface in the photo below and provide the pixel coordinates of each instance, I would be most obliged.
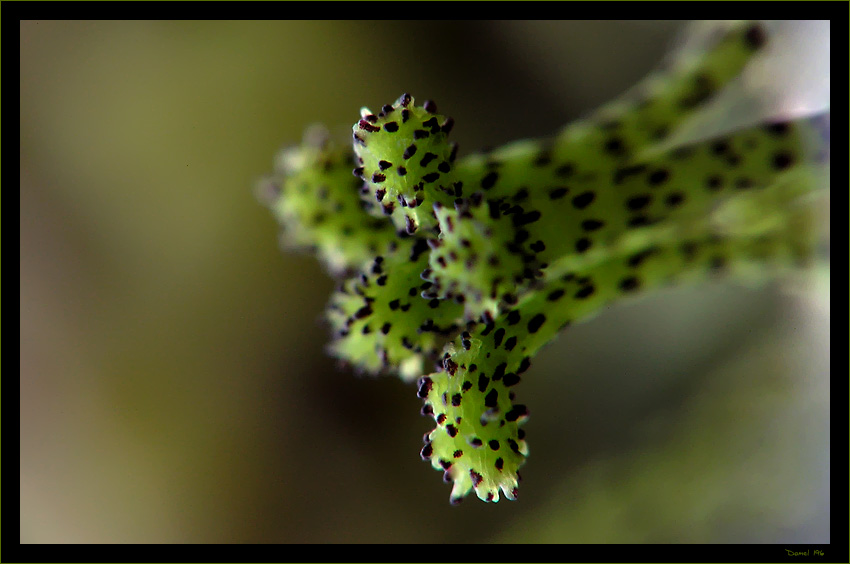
(483, 259)
(174, 380)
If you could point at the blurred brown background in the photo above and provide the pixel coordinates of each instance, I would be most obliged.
(173, 382)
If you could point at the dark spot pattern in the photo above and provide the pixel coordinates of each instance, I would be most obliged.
(558, 193)
(782, 160)
(629, 284)
(583, 244)
(658, 177)
(536, 322)
(636, 203)
(583, 200)
(490, 180)
(755, 36)
(390, 317)
(592, 224)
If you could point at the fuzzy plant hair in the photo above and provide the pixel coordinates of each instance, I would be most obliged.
(453, 271)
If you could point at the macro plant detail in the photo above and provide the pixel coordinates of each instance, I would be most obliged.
(455, 270)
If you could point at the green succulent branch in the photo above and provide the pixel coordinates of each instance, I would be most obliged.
(455, 271)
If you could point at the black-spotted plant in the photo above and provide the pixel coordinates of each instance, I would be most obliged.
(455, 270)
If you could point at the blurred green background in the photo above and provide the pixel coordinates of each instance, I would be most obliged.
(173, 382)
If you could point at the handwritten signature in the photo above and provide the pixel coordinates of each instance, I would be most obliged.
(804, 552)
